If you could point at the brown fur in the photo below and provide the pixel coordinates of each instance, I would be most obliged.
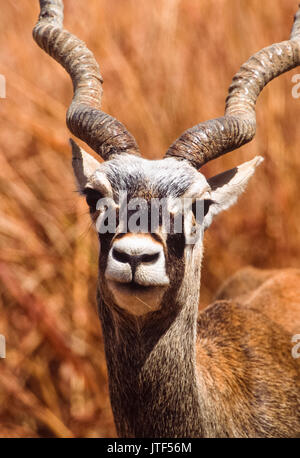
(250, 384)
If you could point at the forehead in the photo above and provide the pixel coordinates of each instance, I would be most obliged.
(156, 178)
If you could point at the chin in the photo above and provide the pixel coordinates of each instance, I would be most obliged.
(137, 299)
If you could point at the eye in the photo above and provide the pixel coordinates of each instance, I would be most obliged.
(207, 204)
(92, 196)
(203, 206)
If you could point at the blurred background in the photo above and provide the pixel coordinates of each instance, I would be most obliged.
(166, 66)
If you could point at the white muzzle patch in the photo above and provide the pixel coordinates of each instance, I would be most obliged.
(136, 273)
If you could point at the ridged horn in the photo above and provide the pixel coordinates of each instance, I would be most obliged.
(103, 133)
(211, 139)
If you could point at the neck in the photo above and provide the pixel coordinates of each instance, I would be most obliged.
(152, 369)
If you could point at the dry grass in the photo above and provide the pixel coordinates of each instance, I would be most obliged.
(166, 65)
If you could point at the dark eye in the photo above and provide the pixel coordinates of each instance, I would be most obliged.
(207, 204)
(203, 207)
(92, 196)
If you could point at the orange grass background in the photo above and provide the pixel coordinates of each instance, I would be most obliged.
(166, 65)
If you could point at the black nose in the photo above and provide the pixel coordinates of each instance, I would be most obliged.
(133, 260)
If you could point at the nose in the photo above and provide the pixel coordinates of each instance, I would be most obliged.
(137, 258)
(133, 259)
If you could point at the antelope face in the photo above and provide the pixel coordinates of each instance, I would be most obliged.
(150, 217)
(144, 212)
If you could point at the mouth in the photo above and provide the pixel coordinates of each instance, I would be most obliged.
(135, 298)
(134, 287)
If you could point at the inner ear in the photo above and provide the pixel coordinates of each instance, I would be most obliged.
(84, 165)
(237, 177)
(227, 187)
(222, 178)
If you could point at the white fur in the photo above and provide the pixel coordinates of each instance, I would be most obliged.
(147, 274)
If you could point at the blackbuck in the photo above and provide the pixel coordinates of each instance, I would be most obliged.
(227, 371)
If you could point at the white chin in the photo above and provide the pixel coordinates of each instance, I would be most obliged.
(135, 299)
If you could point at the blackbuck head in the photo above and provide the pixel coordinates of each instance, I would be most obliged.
(154, 211)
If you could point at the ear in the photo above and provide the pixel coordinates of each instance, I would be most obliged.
(84, 165)
(226, 188)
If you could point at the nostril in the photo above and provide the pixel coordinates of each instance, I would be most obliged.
(120, 256)
(127, 258)
(149, 257)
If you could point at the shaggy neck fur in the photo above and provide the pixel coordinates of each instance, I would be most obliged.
(151, 363)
